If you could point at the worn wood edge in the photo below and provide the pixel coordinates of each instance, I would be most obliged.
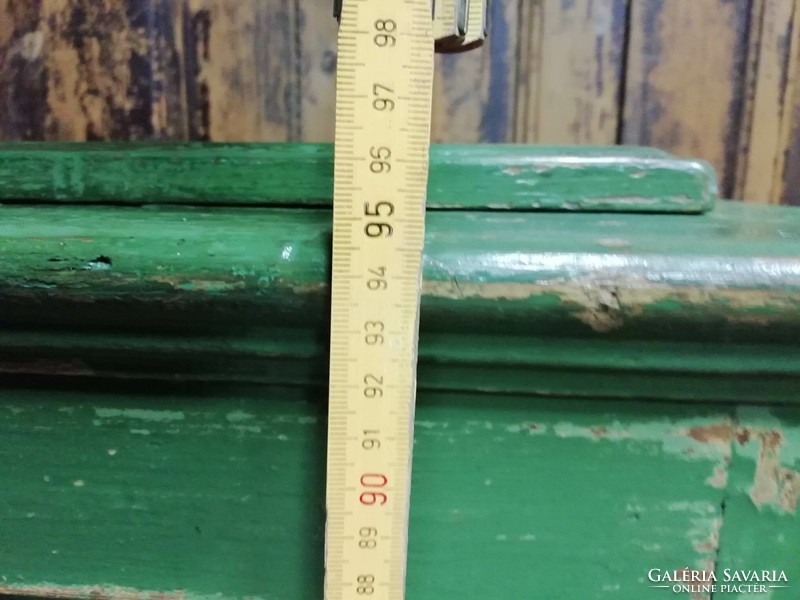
(91, 592)
(502, 177)
(209, 294)
(737, 264)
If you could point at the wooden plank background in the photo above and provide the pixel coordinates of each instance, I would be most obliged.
(715, 79)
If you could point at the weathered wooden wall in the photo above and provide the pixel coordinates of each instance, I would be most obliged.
(714, 79)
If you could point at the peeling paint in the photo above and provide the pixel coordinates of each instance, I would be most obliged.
(65, 592)
(718, 434)
(614, 242)
(200, 285)
(674, 436)
(709, 543)
(773, 484)
(238, 416)
(701, 508)
(719, 478)
(603, 305)
(157, 416)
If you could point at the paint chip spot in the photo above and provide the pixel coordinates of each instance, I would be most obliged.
(501, 537)
(614, 243)
(79, 483)
(101, 263)
(112, 451)
(238, 416)
(719, 479)
(157, 416)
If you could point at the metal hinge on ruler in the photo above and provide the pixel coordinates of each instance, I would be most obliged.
(458, 25)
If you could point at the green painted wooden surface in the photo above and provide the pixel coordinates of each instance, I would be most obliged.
(552, 457)
(761, 498)
(206, 491)
(499, 177)
(685, 307)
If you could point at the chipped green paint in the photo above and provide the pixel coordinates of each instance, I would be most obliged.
(761, 517)
(547, 462)
(466, 177)
(689, 307)
(138, 413)
(229, 500)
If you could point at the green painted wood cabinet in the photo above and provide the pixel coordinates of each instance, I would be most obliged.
(601, 394)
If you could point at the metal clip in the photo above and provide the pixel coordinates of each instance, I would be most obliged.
(458, 25)
(449, 21)
(477, 23)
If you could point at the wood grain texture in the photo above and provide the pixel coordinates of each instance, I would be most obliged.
(249, 69)
(791, 181)
(789, 192)
(150, 69)
(100, 50)
(169, 113)
(317, 38)
(684, 79)
(771, 91)
(79, 70)
(23, 77)
(570, 71)
(474, 91)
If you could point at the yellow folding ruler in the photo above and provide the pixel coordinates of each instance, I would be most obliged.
(383, 107)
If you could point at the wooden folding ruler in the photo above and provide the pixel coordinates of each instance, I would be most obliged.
(383, 109)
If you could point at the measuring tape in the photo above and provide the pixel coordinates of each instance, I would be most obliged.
(383, 107)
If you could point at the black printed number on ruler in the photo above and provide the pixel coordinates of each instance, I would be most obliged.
(383, 158)
(378, 280)
(371, 441)
(382, 97)
(382, 210)
(385, 28)
(368, 538)
(366, 585)
(380, 157)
